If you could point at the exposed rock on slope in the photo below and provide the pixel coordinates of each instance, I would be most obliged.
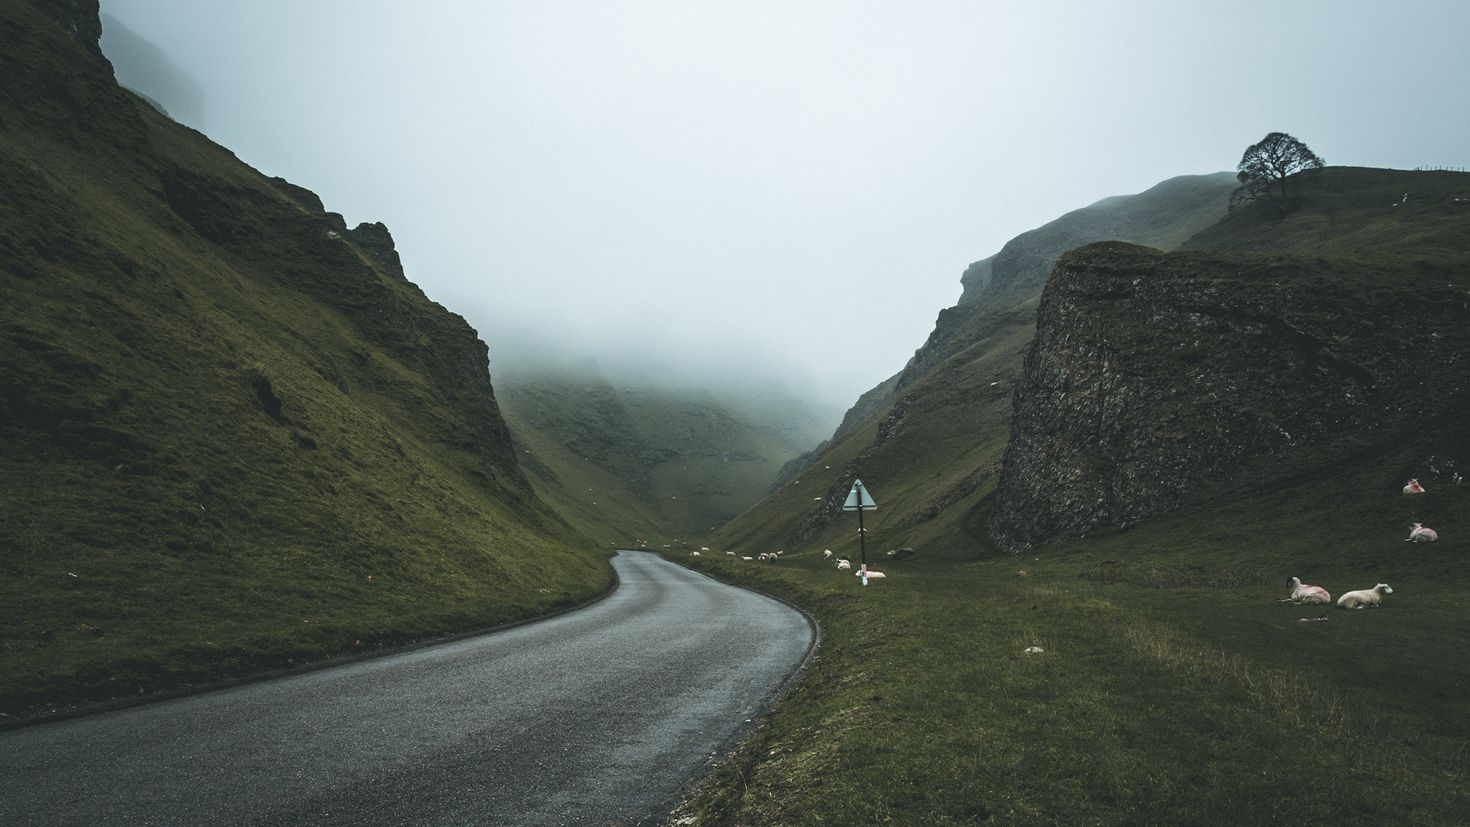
(1159, 379)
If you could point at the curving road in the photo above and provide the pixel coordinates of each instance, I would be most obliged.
(593, 717)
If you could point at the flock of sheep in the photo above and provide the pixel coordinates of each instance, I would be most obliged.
(1301, 593)
(843, 563)
(1308, 594)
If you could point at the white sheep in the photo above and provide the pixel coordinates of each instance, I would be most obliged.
(827, 553)
(1413, 487)
(843, 565)
(872, 573)
(694, 554)
(704, 548)
(731, 553)
(1307, 593)
(1420, 534)
(1364, 598)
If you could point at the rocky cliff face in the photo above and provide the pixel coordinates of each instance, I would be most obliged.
(1156, 380)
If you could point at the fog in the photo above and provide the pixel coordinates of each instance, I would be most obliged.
(786, 192)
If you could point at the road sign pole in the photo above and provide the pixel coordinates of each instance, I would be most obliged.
(855, 503)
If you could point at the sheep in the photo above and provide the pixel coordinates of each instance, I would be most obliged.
(693, 554)
(704, 548)
(827, 553)
(731, 553)
(1420, 534)
(1364, 598)
(1413, 487)
(1307, 593)
(747, 558)
(872, 573)
(843, 565)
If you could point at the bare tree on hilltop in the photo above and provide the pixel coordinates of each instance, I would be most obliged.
(1266, 166)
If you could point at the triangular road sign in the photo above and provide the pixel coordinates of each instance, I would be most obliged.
(859, 499)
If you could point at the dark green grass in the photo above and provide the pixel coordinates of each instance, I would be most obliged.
(1180, 693)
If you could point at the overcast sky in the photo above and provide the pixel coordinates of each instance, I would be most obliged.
(790, 188)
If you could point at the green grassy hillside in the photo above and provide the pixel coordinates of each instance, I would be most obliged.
(929, 441)
(232, 435)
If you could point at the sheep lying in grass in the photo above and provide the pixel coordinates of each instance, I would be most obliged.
(872, 574)
(1420, 534)
(1364, 598)
(1307, 593)
(1413, 487)
(843, 565)
(827, 554)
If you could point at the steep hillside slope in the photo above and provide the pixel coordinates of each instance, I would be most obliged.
(657, 465)
(1338, 334)
(928, 441)
(232, 434)
(1164, 216)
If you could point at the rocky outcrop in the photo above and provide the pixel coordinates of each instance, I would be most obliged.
(1156, 379)
(375, 238)
(79, 18)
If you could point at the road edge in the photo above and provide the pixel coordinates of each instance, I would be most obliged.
(668, 814)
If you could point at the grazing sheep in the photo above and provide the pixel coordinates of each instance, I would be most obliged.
(1364, 598)
(1413, 487)
(731, 553)
(693, 554)
(827, 553)
(747, 558)
(704, 548)
(843, 565)
(1307, 593)
(1420, 534)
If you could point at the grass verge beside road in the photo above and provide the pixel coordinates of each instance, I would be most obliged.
(1178, 692)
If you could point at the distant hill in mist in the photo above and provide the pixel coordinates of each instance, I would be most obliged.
(141, 66)
(629, 461)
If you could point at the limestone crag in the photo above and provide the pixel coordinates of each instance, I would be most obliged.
(1156, 379)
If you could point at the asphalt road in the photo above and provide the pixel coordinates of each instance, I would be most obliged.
(595, 717)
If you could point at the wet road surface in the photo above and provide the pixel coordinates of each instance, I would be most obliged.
(595, 717)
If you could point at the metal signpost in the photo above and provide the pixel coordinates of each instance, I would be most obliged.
(858, 500)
